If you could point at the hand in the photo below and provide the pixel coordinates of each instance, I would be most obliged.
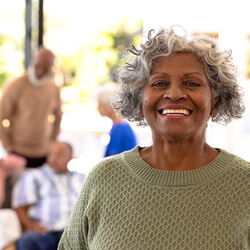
(37, 227)
(12, 162)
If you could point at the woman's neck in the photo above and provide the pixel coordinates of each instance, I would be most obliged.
(115, 119)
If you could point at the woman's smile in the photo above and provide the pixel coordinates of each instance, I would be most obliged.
(175, 112)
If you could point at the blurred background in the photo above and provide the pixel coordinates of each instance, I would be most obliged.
(89, 39)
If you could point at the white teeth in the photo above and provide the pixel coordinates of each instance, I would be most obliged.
(176, 112)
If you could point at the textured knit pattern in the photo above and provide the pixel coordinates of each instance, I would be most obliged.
(34, 114)
(125, 204)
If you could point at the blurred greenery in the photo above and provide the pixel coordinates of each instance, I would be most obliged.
(82, 64)
(94, 62)
(11, 58)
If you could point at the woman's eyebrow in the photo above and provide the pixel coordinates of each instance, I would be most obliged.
(193, 73)
(186, 74)
(162, 73)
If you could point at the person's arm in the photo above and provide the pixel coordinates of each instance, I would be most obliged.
(58, 116)
(7, 107)
(7, 165)
(2, 185)
(26, 222)
(25, 195)
(12, 162)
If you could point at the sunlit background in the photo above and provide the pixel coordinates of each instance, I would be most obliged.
(89, 39)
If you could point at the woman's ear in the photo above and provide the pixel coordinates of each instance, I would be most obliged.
(214, 104)
(141, 113)
(214, 101)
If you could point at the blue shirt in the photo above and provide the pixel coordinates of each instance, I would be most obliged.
(122, 138)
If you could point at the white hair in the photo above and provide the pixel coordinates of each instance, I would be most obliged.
(105, 93)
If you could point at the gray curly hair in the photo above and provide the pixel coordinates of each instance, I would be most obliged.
(220, 71)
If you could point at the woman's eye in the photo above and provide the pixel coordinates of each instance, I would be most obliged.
(159, 84)
(192, 84)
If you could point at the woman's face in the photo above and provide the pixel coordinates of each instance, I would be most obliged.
(177, 99)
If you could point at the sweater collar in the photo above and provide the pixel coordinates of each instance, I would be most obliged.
(146, 173)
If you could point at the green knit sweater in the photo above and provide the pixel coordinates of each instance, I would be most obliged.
(125, 204)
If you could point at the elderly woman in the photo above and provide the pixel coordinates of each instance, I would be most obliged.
(179, 193)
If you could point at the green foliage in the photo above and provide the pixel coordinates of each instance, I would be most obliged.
(120, 38)
(3, 72)
(11, 58)
(94, 62)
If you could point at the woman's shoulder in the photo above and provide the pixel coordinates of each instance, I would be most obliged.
(236, 165)
(107, 164)
(112, 164)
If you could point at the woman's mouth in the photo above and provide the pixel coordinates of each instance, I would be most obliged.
(174, 112)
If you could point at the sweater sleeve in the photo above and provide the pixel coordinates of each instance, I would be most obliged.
(7, 108)
(25, 191)
(57, 115)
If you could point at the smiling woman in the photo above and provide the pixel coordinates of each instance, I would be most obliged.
(179, 193)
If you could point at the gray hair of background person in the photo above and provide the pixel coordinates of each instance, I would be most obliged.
(105, 93)
(220, 71)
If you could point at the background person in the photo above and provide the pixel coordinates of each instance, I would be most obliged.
(122, 136)
(8, 164)
(43, 199)
(10, 229)
(30, 111)
(30, 115)
(178, 193)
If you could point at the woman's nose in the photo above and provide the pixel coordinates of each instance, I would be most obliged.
(175, 92)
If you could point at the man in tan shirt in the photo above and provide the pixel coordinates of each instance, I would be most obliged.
(30, 111)
(30, 115)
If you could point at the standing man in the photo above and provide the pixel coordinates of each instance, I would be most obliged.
(30, 111)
